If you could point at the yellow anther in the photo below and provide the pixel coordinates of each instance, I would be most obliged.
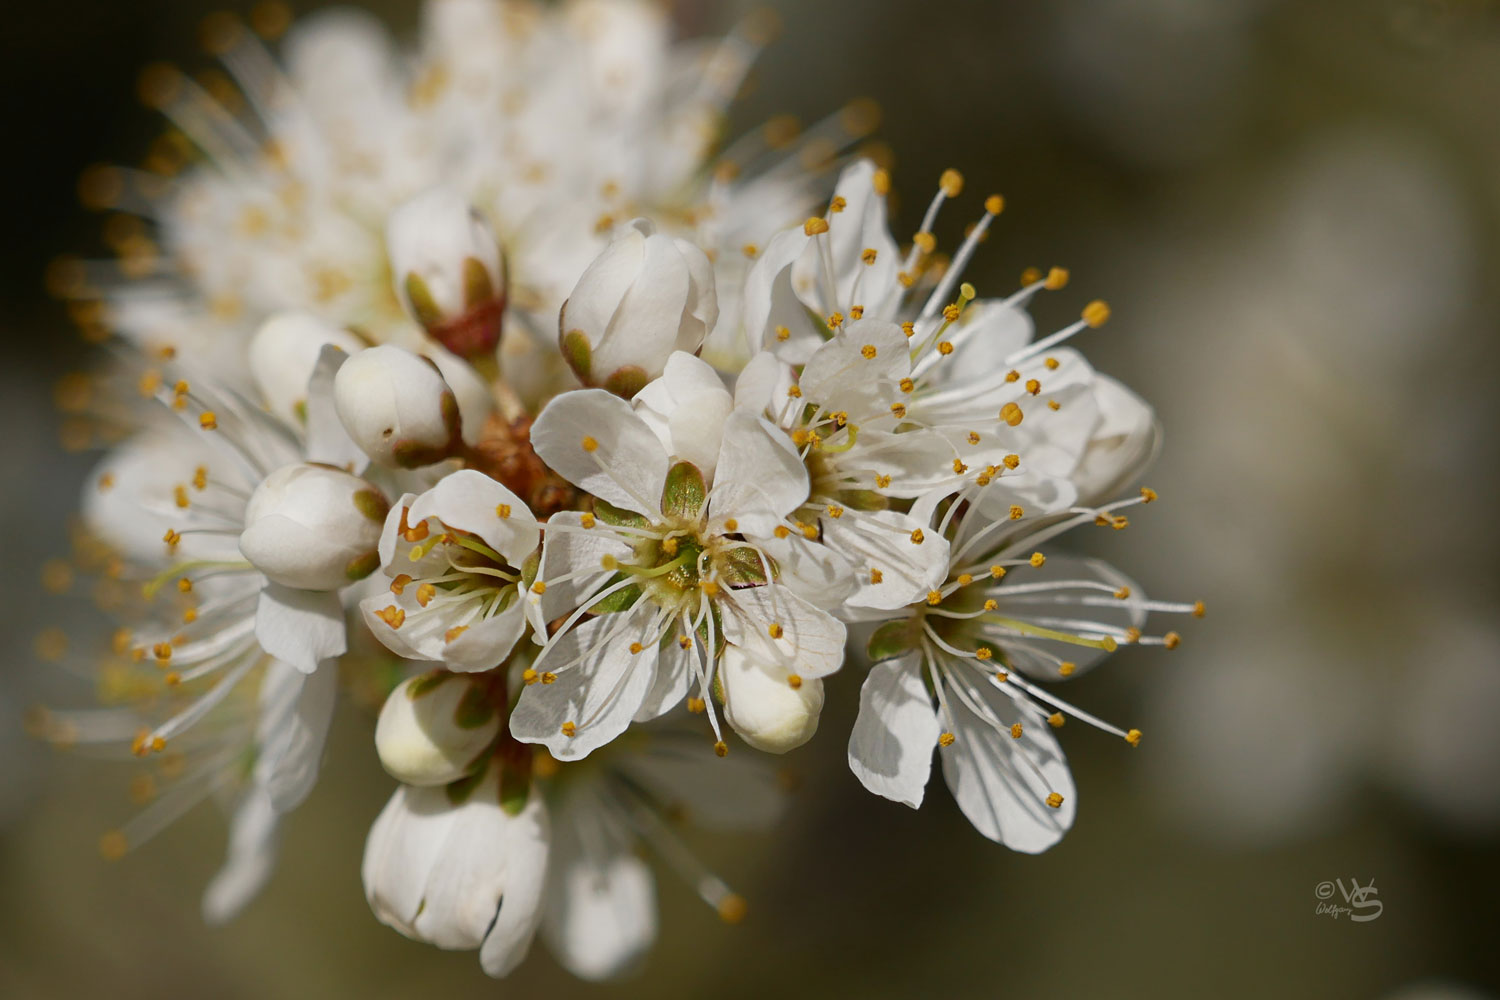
(1016, 512)
(994, 204)
(983, 653)
(782, 333)
(106, 483)
(1016, 731)
(1133, 737)
(189, 616)
(684, 642)
(1096, 313)
(815, 226)
(1147, 494)
(959, 466)
(709, 587)
(997, 571)
(909, 328)
(529, 676)
(782, 531)
(1037, 559)
(934, 597)
(794, 681)
(917, 537)
(454, 632)
(838, 204)
(945, 347)
(775, 630)
(856, 312)
(869, 255)
(399, 583)
(875, 575)
(417, 533)
(502, 510)
(732, 907)
(945, 739)
(1055, 800)
(1053, 404)
(1001, 676)
(425, 593)
(898, 409)
(835, 320)
(548, 677)
(1171, 640)
(1056, 720)
(184, 584)
(569, 729)
(589, 443)
(669, 545)
(750, 250)
(1132, 634)
(730, 524)
(1198, 609)
(1031, 276)
(881, 181)
(200, 478)
(721, 749)
(925, 241)
(835, 511)
(1012, 376)
(1066, 668)
(964, 579)
(587, 520)
(162, 651)
(991, 604)
(1011, 414)
(112, 846)
(951, 312)
(392, 616)
(1057, 278)
(973, 437)
(207, 420)
(952, 183)
(1033, 386)
(696, 706)
(868, 352)
(794, 392)
(539, 587)
(1123, 593)
(636, 647)
(882, 481)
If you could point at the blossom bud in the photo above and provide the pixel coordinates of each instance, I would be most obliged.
(397, 407)
(645, 296)
(448, 271)
(1123, 444)
(771, 710)
(433, 727)
(282, 356)
(313, 527)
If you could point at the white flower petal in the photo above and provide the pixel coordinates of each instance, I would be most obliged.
(995, 784)
(760, 478)
(253, 840)
(882, 540)
(627, 466)
(770, 303)
(809, 643)
(302, 627)
(858, 370)
(525, 846)
(600, 917)
(327, 440)
(890, 748)
(599, 695)
(471, 501)
(812, 570)
(296, 709)
(571, 552)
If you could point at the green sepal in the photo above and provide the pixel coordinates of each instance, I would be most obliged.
(423, 305)
(864, 500)
(891, 640)
(515, 788)
(427, 683)
(621, 600)
(478, 289)
(372, 504)
(460, 790)
(627, 381)
(685, 493)
(577, 352)
(740, 568)
(474, 709)
(362, 566)
(617, 517)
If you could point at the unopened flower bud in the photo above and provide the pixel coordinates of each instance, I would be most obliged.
(770, 709)
(1123, 444)
(644, 297)
(432, 728)
(313, 527)
(397, 407)
(282, 356)
(448, 271)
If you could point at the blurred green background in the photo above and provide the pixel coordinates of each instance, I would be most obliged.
(1292, 208)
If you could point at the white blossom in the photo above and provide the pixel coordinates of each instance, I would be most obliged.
(397, 407)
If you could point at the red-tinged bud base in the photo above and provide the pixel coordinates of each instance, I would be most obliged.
(475, 333)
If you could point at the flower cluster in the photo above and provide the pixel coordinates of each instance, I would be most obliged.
(770, 453)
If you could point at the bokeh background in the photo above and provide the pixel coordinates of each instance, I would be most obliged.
(1293, 208)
